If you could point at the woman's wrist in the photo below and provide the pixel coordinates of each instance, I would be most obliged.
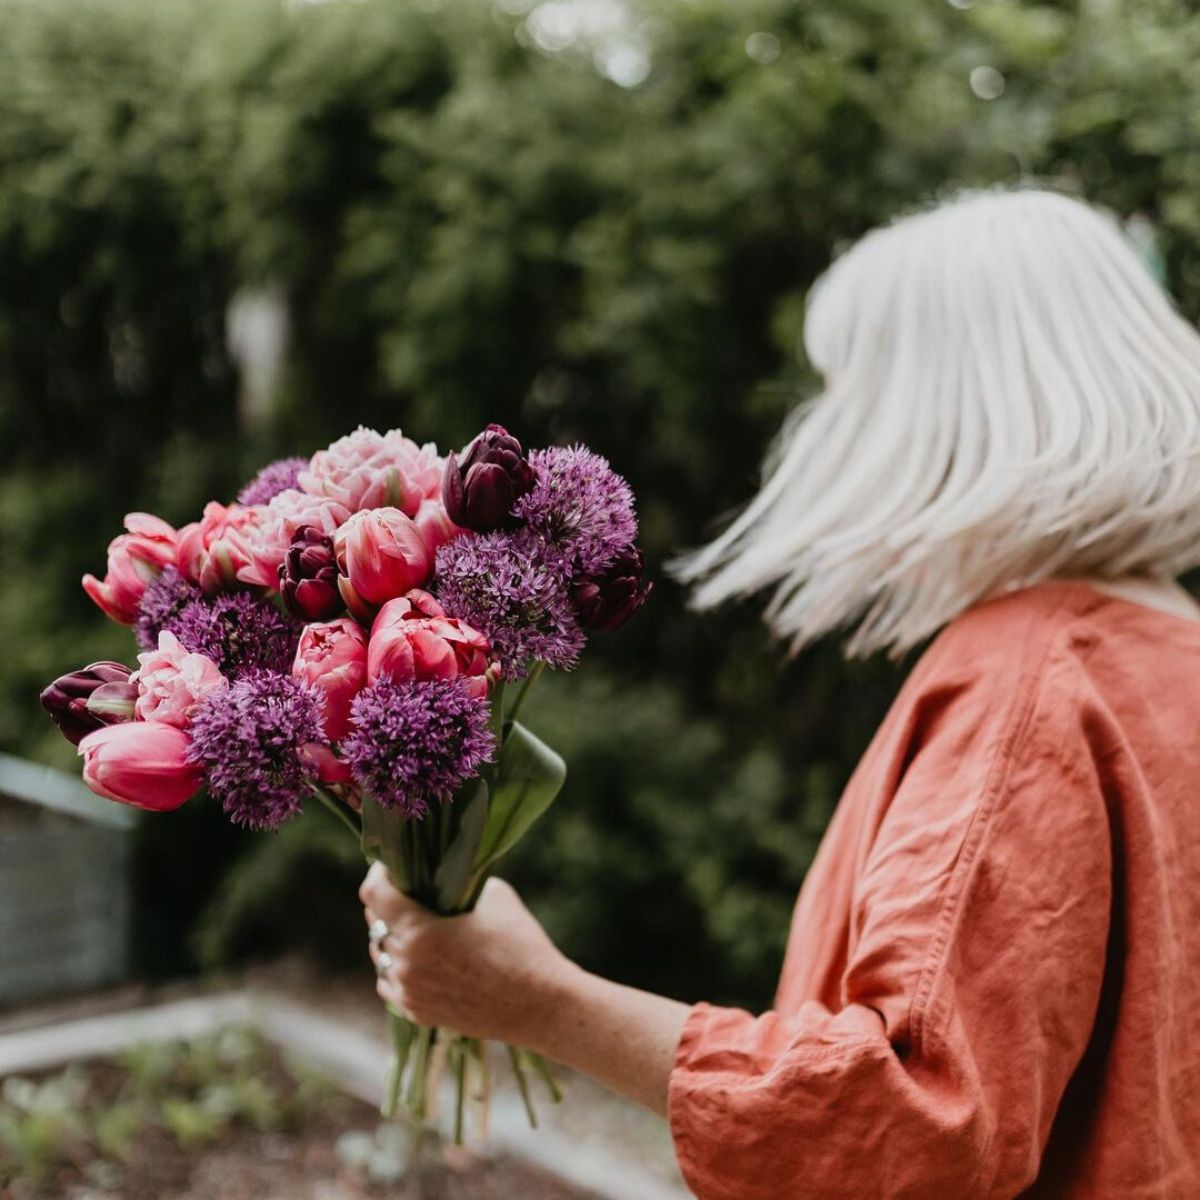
(562, 1000)
(623, 1037)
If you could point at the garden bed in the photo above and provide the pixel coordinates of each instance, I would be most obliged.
(227, 1117)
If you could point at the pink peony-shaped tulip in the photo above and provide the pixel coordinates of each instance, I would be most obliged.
(366, 469)
(434, 524)
(213, 550)
(172, 681)
(380, 555)
(143, 763)
(135, 558)
(412, 638)
(333, 657)
(267, 544)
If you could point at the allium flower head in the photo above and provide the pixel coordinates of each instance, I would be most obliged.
(248, 739)
(579, 503)
(412, 745)
(274, 478)
(238, 632)
(515, 589)
(162, 602)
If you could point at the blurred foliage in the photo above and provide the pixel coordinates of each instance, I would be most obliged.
(466, 227)
(88, 1118)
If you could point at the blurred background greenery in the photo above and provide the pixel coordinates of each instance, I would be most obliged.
(586, 220)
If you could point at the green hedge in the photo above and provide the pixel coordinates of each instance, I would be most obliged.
(467, 228)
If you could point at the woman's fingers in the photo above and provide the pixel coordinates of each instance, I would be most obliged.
(384, 902)
(388, 986)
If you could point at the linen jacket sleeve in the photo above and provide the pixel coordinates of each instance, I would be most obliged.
(979, 927)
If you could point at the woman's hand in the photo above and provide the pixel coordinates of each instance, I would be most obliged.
(493, 973)
(490, 973)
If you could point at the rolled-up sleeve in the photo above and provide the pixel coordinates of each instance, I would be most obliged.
(978, 934)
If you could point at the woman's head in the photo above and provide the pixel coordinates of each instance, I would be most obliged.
(1009, 397)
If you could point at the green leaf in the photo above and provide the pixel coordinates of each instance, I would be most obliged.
(528, 777)
(452, 879)
(383, 840)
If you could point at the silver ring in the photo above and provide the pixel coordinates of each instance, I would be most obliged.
(384, 963)
(378, 931)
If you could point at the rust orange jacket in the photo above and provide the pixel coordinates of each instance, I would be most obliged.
(992, 984)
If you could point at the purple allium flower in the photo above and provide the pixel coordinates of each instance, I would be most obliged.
(581, 504)
(238, 632)
(413, 744)
(274, 478)
(515, 589)
(247, 739)
(162, 602)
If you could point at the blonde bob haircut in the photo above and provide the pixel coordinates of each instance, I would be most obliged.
(1008, 397)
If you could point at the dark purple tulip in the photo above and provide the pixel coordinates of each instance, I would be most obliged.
(608, 600)
(308, 576)
(66, 699)
(480, 489)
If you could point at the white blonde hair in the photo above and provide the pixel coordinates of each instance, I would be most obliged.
(1009, 397)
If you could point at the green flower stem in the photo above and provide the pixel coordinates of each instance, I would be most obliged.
(518, 1070)
(417, 1099)
(534, 674)
(459, 1051)
(542, 1068)
(479, 1054)
(496, 716)
(339, 810)
(403, 1034)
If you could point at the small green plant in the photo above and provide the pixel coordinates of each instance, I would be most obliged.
(192, 1123)
(197, 1091)
(41, 1124)
(114, 1128)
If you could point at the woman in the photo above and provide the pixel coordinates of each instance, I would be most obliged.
(992, 984)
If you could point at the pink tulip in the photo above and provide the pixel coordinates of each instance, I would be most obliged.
(268, 542)
(90, 698)
(135, 558)
(143, 763)
(172, 682)
(412, 638)
(333, 657)
(381, 554)
(214, 549)
(434, 524)
(367, 469)
(328, 768)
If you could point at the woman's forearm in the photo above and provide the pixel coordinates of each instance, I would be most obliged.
(620, 1036)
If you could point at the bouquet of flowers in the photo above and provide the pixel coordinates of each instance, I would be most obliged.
(347, 631)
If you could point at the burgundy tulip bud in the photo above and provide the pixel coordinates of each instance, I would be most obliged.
(480, 489)
(308, 576)
(606, 601)
(90, 698)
